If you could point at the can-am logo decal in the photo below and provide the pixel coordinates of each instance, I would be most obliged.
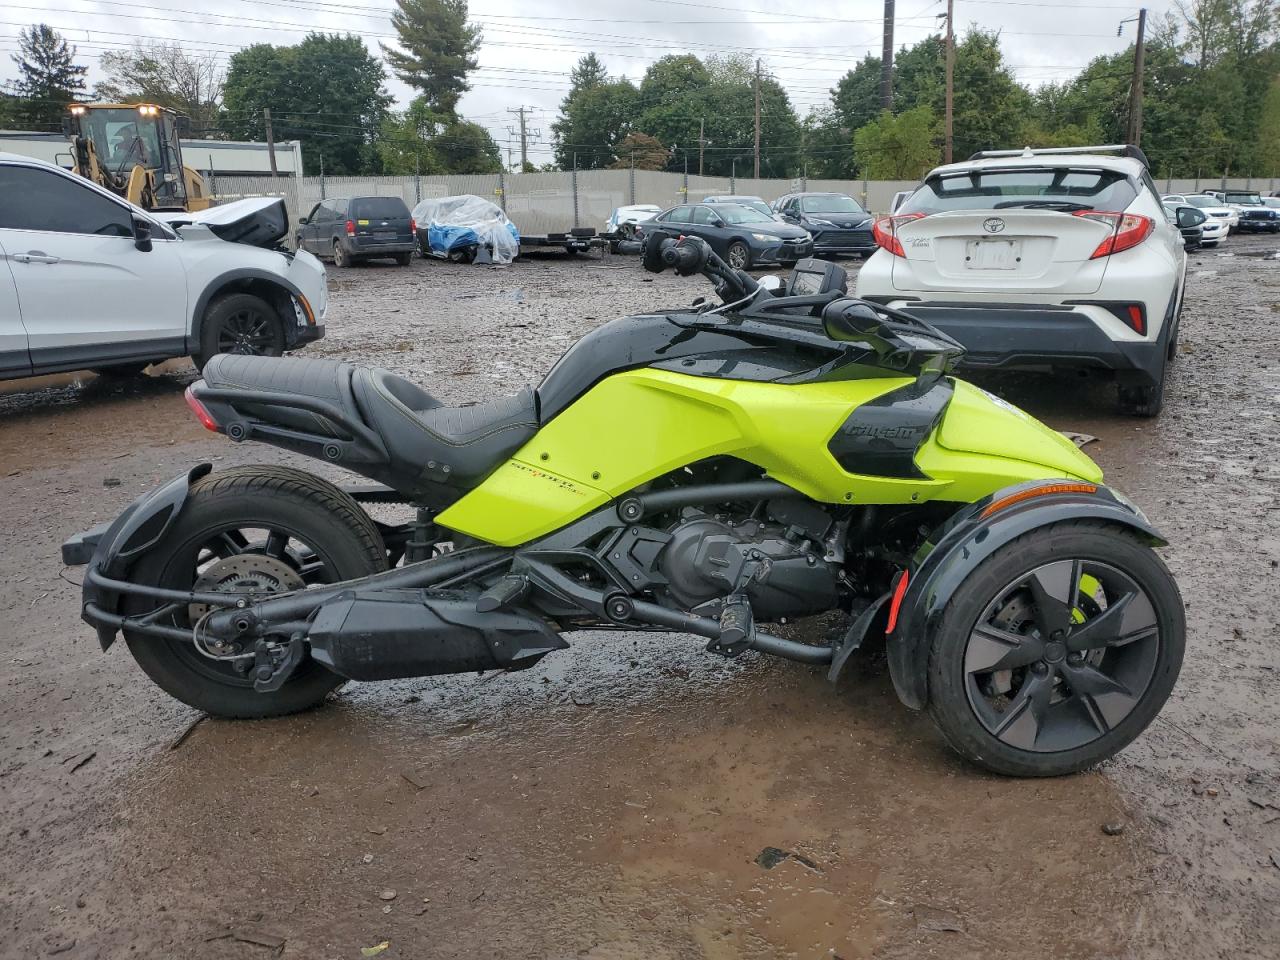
(993, 224)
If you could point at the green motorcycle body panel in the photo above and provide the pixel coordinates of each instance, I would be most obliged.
(637, 425)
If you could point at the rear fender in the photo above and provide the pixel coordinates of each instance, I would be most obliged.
(955, 550)
(138, 529)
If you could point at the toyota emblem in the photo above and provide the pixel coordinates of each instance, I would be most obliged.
(993, 224)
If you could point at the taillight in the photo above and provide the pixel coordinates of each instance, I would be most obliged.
(351, 228)
(201, 413)
(885, 231)
(413, 225)
(1127, 230)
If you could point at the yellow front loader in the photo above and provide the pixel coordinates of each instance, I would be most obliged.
(134, 151)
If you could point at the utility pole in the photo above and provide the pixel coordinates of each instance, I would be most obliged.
(1133, 133)
(757, 173)
(524, 134)
(702, 143)
(271, 140)
(951, 83)
(886, 59)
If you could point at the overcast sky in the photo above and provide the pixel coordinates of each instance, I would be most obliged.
(529, 47)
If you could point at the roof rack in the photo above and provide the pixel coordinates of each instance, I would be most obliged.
(1124, 149)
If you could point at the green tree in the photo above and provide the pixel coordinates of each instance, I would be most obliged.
(326, 91)
(166, 74)
(856, 97)
(466, 147)
(901, 147)
(588, 72)
(419, 140)
(48, 76)
(592, 121)
(828, 146)
(641, 151)
(9, 111)
(1267, 148)
(439, 50)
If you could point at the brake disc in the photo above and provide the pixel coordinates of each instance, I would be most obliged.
(251, 574)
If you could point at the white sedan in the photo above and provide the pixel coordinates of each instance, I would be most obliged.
(1211, 207)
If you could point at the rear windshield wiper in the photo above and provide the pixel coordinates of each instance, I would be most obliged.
(1065, 205)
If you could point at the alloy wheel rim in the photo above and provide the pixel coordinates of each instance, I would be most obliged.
(737, 257)
(246, 332)
(1061, 656)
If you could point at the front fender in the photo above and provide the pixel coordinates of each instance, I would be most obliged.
(133, 533)
(954, 551)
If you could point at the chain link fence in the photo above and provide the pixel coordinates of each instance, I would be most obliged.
(540, 203)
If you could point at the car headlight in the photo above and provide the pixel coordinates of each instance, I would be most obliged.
(821, 223)
(766, 237)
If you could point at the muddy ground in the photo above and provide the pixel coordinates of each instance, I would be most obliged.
(613, 801)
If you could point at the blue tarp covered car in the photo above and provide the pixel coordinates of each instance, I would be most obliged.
(464, 229)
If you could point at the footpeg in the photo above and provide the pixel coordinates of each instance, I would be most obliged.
(503, 594)
(737, 627)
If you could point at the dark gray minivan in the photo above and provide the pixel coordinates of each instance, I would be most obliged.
(354, 229)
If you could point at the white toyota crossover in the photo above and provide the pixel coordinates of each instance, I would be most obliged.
(1042, 259)
(89, 281)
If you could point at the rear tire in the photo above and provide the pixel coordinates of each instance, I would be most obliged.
(1146, 667)
(1138, 396)
(239, 323)
(404, 259)
(340, 256)
(304, 509)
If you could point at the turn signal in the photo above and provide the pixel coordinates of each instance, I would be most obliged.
(1039, 491)
(885, 231)
(199, 410)
(351, 228)
(1127, 230)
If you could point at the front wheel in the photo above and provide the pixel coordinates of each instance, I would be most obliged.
(251, 529)
(240, 323)
(739, 256)
(1057, 651)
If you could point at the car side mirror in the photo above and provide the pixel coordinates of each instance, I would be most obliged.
(718, 222)
(303, 221)
(142, 234)
(1190, 217)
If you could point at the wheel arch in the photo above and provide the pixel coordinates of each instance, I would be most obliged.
(274, 289)
(954, 550)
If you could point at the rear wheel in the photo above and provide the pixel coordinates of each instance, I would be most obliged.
(1139, 397)
(1057, 651)
(340, 256)
(240, 323)
(739, 256)
(251, 529)
(404, 259)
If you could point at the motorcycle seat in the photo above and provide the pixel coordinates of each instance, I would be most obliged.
(426, 441)
(458, 446)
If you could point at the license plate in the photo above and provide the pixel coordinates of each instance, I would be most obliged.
(384, 234)
(991, 255)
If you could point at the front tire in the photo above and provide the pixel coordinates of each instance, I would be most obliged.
(261, 524)
(739, 255)
(240, 323)
(1057, 651)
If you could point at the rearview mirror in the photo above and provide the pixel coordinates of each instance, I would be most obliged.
(849, 320)
(142, 234)
(1190, 217)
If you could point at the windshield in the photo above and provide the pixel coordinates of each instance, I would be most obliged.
(379, 208)
(1244, 199)
(741, 213)
(831, 204)
(122, 138)
(1051, 188)
(1202, 202)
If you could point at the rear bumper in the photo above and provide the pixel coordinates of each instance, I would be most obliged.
(359, 248)
(1012, 337)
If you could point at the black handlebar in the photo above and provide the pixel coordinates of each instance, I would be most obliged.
(689, 255)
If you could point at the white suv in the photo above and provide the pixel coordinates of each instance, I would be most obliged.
(89, 281)
(1037, 259)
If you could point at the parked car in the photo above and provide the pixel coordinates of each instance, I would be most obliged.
(836, 221)
(90, 281)
(1192, 230)
(1211, 207)
(743, 236)
(755, 203)
(621, 225)
(467, 228)
(356, 229)
(1272, 202)
(1039, 259)
(1255, 216)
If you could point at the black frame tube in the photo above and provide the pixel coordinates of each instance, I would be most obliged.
(715, 493)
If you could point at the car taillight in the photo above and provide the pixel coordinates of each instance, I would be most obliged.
(413, 225)
(885, 232)
(351, 228)
(201, 413)
(1127, 230)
